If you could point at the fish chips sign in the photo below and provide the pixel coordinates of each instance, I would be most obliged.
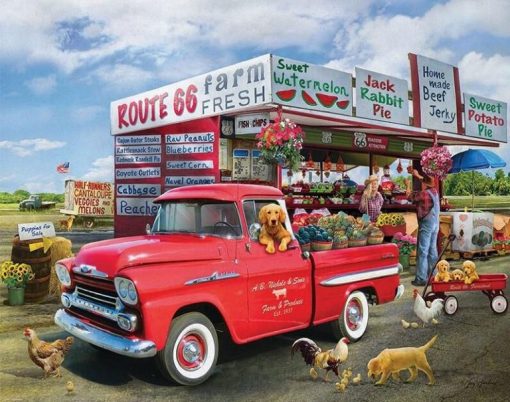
(485, 118)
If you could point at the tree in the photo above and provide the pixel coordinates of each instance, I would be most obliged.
(21, 195)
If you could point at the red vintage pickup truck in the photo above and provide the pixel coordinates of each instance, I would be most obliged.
(201, 268)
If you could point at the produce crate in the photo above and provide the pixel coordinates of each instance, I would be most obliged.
(390, 230)
(357, 243)
(322, 245)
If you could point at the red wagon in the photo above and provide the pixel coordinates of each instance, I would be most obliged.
(492, 285)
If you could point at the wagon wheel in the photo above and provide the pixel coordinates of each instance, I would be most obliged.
(450, 305)
(430, 297)
(499, 304)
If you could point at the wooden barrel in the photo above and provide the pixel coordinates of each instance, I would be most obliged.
(38, 288)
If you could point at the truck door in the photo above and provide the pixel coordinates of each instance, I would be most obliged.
(279, 284)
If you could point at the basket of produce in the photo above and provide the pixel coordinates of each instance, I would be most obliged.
(306, 247)
(357, 242)
(340, 241)
(375, 236)
(321, 245)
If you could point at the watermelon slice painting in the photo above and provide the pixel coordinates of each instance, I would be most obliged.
(308, 99)
(343, 104)
(286, 95)
(326, 100)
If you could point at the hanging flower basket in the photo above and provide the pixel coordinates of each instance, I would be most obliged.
(436, 161)
(281, 142)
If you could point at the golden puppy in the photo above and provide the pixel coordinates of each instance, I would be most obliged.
(458, 275)
(271, 217)
(392, 361)
(67, 224)
(469, 268)
(443, 274)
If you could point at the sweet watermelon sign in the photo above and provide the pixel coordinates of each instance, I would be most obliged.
(307, 86)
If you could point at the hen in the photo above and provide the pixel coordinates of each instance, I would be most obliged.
(424, 313)
(315, 357)
(47, 355)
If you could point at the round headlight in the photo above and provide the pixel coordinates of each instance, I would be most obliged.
(131, 292)
(123, 289)
(126, 290)
(63, 274)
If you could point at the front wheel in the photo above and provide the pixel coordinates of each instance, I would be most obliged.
(191, 350)
(353, 321)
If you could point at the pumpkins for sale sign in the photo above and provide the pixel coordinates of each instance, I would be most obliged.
(307, 86)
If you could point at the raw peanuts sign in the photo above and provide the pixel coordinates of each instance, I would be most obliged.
(381, 97)
(307, 86)
(485, 118)
(229, 89)
(436, 94)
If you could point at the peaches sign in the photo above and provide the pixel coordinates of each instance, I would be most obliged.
(312, 87)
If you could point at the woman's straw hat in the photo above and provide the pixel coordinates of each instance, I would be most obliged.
(371, 178)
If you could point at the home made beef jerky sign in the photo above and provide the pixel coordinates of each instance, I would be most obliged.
(436, 94)
(225, 90)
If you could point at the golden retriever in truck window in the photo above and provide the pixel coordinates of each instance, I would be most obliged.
(272, 217)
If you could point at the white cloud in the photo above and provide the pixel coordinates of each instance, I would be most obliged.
(42, 85)
(42, 186)
(102, 170)
(122, 76)
(24, 148)
(87, 113)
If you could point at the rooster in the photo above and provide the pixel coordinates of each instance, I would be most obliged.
(315, 357)
(424, 313)
(48, 356)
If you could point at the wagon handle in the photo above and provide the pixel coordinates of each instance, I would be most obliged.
(451, 237)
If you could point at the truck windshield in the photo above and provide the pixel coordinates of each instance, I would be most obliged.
(203, 217)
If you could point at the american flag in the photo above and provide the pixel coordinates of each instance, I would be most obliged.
(63, 168)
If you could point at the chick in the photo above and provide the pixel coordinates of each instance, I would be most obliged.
(414, 325)
(405, 324)
(340, 387)
(313, 373)
(349, 372)
(69, 387)
(344, 373)
(345, 381)
(434, 321)
(356, 380)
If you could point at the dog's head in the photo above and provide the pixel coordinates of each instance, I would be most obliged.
(469, 267)
(443, 266)
(271, 215)
(374, 368)
(457, 275)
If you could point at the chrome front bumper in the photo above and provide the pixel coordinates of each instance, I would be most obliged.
(138, 348)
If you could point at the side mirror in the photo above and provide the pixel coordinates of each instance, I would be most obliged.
(254, 230)
(148, 229)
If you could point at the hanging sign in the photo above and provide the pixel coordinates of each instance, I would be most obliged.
(436, 94)
(485, 118)
(241, 164)
(251, 123)
(307, 86)
(381, 97)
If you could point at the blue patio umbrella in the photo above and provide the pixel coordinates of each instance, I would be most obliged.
(475, 159)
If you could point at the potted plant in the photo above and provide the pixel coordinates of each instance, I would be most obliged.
(406, 245)
(436, 161)
(15, 276)
(281, 142)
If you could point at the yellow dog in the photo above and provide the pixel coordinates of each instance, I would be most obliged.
(272, 217)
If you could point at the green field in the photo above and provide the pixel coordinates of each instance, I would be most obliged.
(499, 203)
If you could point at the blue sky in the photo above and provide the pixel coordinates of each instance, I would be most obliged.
(63, 62)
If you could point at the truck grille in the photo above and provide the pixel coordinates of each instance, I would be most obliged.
(100, 296)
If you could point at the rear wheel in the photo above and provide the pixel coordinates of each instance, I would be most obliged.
(499, 304)
(450, 305)
(191, 350)
(353, 321)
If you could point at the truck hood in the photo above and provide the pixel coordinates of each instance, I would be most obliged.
(111, 256)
